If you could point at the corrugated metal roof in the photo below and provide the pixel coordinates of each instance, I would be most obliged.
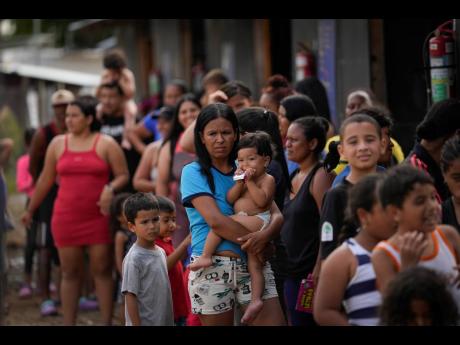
(51, 73)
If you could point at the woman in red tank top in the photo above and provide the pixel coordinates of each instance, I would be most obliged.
(82, 161)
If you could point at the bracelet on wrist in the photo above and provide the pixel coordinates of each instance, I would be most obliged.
(109, 187)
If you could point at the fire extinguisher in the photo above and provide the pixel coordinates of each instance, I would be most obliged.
(304, 62)
(442, 71)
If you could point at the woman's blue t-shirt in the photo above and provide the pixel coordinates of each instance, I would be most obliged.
(194, 184)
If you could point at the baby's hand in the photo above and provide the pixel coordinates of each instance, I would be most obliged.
(249, 174)
(239, 171)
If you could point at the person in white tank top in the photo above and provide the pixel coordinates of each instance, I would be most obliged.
(409, 197)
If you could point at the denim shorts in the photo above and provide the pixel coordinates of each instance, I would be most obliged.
(216, 289)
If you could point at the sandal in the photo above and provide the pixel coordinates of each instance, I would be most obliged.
(48, 308)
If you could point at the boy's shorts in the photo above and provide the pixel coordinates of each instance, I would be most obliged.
(215, 289)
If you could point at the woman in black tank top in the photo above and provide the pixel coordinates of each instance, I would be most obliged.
(306, 138)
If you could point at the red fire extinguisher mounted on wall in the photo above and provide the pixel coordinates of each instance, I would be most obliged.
(442, 63)
(304, 62)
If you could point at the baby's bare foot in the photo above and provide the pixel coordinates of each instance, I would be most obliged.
(201, 262)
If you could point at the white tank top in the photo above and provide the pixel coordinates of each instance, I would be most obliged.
(442, 260)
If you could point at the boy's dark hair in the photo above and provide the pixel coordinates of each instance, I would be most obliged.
(422, 284)
(450, 152)
(87, 105)
(399, 182)
(363, 194)
(379, 114)
(165, 204)
(314, 127)
(113, 85)
(139, 202)
(236, 87)
(441, 120)
(115, 59)
(360, 117)
(116, 209)
(260, 141)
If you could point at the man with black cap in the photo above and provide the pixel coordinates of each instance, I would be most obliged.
(42, 218)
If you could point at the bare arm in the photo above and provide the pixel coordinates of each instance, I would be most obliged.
(222, 225)
(262, 195)
(178, 253)
(187, 141)
(127, 83)
(120, 240)
(384, 269)
(137, 134)
(235, 192)
(132, 308)
(117, 162)
(141, 179)
(334, 278)
(454, 239)
(322, 182)
(164, 164)
(45, 181)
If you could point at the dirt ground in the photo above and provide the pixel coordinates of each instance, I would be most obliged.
(25, 312)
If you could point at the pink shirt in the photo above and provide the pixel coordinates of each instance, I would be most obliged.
(24, 181)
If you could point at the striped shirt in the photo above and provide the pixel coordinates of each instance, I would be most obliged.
(361, 299)
(442, 260)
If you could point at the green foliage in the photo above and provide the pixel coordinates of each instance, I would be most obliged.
(10, 128)
(25, 27)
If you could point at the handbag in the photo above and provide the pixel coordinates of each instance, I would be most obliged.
(305, 296)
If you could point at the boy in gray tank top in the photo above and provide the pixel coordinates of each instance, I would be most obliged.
(145, 284)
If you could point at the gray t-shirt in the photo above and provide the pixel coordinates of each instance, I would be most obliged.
(145, 274)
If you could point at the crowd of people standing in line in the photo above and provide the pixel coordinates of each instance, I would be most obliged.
(215, 208)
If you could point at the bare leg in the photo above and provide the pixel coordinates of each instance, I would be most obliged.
(224, 319)
(253, 223)
(72, 266)
(270, 315)
(101, 267)
(257, 287)
(212, 242)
